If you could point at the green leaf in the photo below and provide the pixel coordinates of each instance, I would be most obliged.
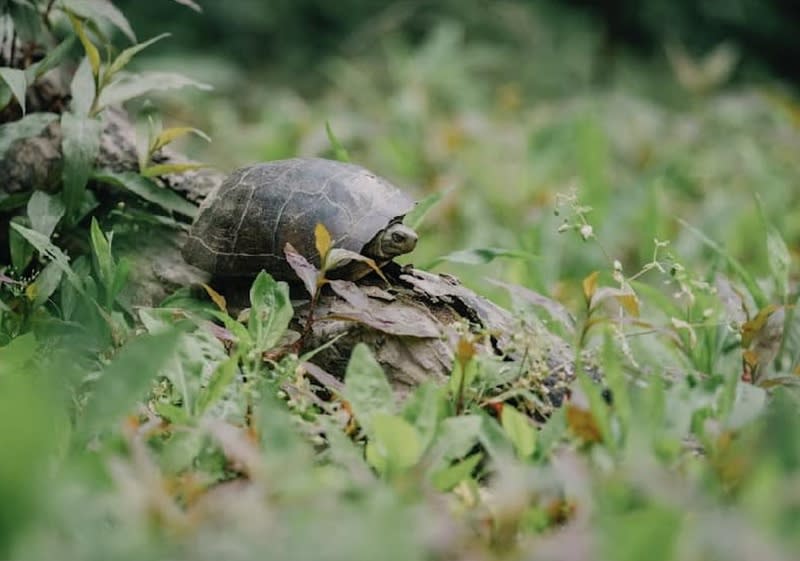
(134, 85)
(447, 478)
(414, 218)
(103, 262)
(519, 430)
(165, 169)
(53, 59)
(394, 446)
(92, 54)
(27, 21)
(125, 56)
(223, 375)
(17, 82)
(190, 4)
(366, 388)
(484, 255)
(80, 145)
(126, 379)
(172, 413)
(51, 252)
(83, 89)
(93, 9)
(44, 212)
(21, 251)
(29, 125)
(46, 283)
(15, 356)
(735, 265)
(456, 437)
(779, 260)
(270, 312)
(148, 190)
(339, 151)
(423, 409)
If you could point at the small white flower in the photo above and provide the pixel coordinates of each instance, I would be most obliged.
(587, 232)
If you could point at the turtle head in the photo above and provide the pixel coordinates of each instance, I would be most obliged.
(395, 240)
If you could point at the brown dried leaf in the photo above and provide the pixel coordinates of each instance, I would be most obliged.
(351, 292)
(328, 380)
(583, 424)
(304, 270)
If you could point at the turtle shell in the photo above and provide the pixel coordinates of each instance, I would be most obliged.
(244, 225)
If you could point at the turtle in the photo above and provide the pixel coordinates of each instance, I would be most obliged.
(244, 226)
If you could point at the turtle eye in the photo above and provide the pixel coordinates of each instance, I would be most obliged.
(398, 237)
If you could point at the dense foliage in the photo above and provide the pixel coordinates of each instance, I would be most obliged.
(660, 234)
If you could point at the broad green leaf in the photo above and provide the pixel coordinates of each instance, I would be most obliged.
(80, 145)
(44, 212)
(34, 422)
(650, 532)
(394, 446)
(46, 283)
(17, 82)
(15, 356)
(366, 388)
(270, 312)
(148, 190)
(456, 437)
(169, 135)
(93, 9)
(130, 86)
(125, 56)
(172, 413)
(339, 151)
(91, 50)
(180, 451)
(165, 169)
(53, 59)
(223, 375)
(83, 89)
(520, 431)
(447, 478)
(27, 21)
(126, 379)
(21, 250)
(48, 250)
(423, 410)
(29, 125)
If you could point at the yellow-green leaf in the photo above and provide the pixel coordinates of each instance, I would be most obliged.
(519, 430)
(590, 285)
(216, 297)
(171, 134)
(165, 169)
(322, 238)
(91, 51)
